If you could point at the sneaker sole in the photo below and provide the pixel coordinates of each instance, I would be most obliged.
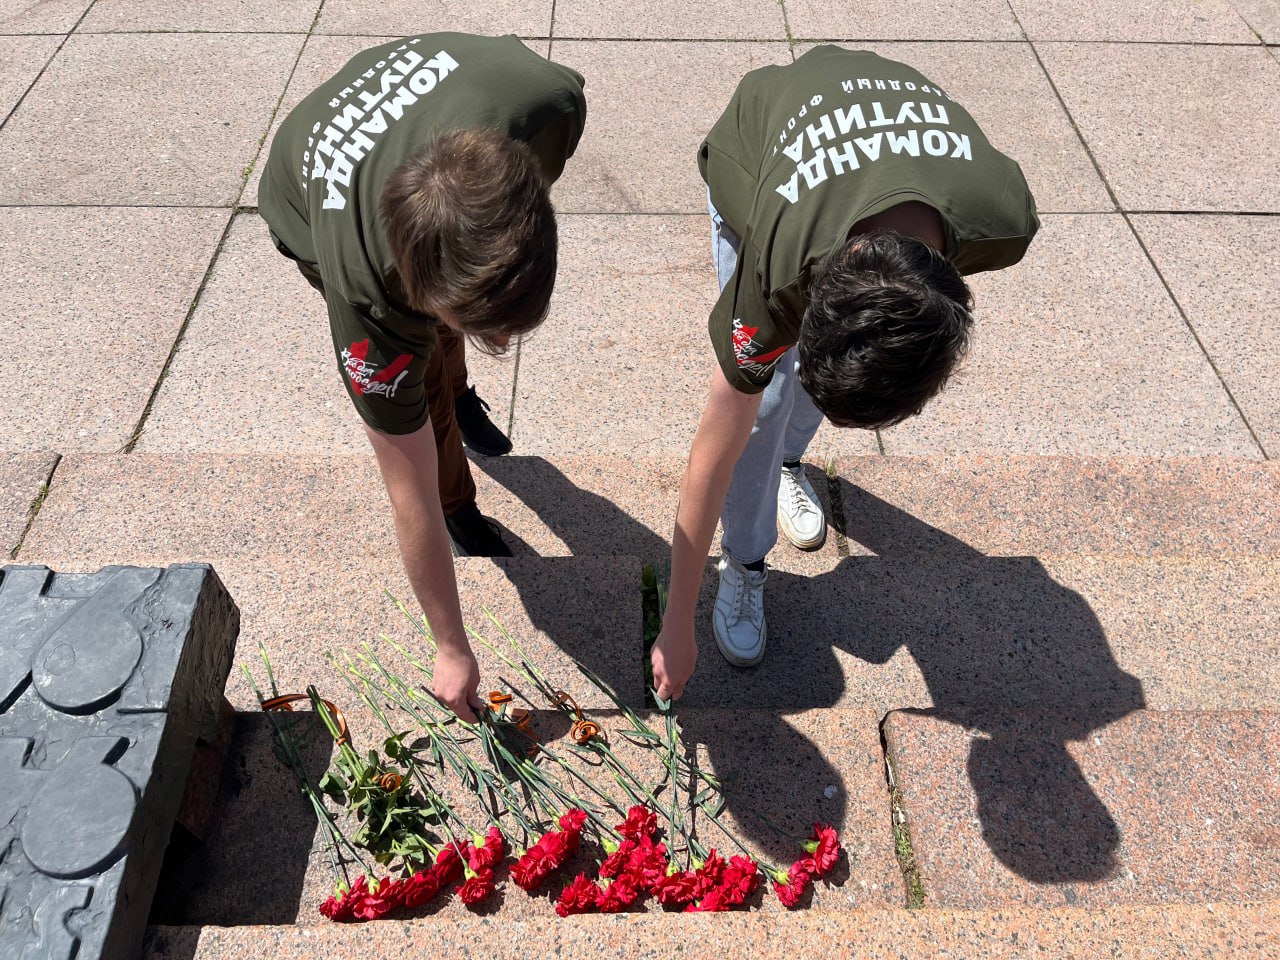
(798, 541)
(737, 660)
(486, 451)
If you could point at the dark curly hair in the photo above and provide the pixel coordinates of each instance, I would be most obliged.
(470, 224)
(888, 319)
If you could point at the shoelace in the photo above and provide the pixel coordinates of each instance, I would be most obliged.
(800, 501)
(476, 397)
(742, 608)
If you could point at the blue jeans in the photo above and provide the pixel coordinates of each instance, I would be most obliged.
(784, 426)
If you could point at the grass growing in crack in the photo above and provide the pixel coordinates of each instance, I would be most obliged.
(902, 845)
(36, 503)
(837, 508)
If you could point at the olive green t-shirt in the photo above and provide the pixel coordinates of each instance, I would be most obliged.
(333, 154)
(804, 151)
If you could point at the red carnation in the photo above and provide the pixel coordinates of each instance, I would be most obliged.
(578, 897)
(616, 862)
(741, 877)
(478, 886)
(449, 863)
(342, 909)
(640, 822)
(648, 862)
(714, 902)
(621, 893)
(675, 890)
(489, 853)
(791, 886)
(573, 821)
(419, 889)
(708, 875)
(374, 904)
(824, 846)
(544, 858)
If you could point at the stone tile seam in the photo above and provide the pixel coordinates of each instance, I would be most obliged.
(37, 504)
(913, 894)
(53, 56)
(1141, 244)
(136, 435)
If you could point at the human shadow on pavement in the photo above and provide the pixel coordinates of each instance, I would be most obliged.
(995, 640)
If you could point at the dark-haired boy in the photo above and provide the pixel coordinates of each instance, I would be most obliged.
(411, 188)
(848, 195)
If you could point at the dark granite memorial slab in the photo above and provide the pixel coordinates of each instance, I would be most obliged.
(108, 681)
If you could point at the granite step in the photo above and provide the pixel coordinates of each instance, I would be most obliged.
(1109, 585)
(1064, 808)
(1196, 932)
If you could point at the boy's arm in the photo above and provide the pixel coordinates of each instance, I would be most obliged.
(408, 464)
(722, 436)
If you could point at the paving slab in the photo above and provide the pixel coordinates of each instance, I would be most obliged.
(1109, 369)
(651, 104)
(1005, 90)
(958, 630)
(400, 18)
(885, 20)
(1206, 21)
(23, 59)
(49, 16)
(22, 475)
(1203, 116)
(805, 754)
(321, 58)
(1214, 266)
(100, 126)
(1262, 16)
(98, 295)
(233, 361)
(232, 16)
(902, 507)
(620, 342)
(1153, 808)
(1196, 932)
(670, 20)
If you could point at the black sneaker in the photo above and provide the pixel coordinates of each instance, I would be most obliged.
(478, 431)
(475, 535)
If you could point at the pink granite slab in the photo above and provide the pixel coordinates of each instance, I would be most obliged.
(1005, 90)
(110, 16)
(1262, 17)
(1078, 350)
(1207, 21)
(1054, 809)
(884, 20)
(1011, 506)
(102, 127)
(1219, 269)
(650, 104)
(525, 18)
(1175, 127)
(1192, 931)
(22, 475)
(623, 362)
(93, 300)
(23, 58)
(256, 370)
(43, 16)
(669, 20)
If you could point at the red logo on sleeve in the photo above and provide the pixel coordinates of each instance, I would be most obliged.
(746, 350)
(365, 376)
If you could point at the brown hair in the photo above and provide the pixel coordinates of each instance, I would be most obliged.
(470, 224)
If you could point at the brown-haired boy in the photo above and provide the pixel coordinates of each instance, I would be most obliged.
(849, 194)
(411, 188)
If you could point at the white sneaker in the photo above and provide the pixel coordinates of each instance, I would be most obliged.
(738, 617)
(799, 513)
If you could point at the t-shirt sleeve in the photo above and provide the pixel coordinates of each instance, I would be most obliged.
(561, 127)
(384, 377)
(747, 339)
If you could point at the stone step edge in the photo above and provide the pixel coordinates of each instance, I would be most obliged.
(1147, 932)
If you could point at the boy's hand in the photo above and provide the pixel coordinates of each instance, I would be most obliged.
(457, 677)
(674, 655)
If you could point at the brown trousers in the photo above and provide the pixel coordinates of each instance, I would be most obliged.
(445, 381)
